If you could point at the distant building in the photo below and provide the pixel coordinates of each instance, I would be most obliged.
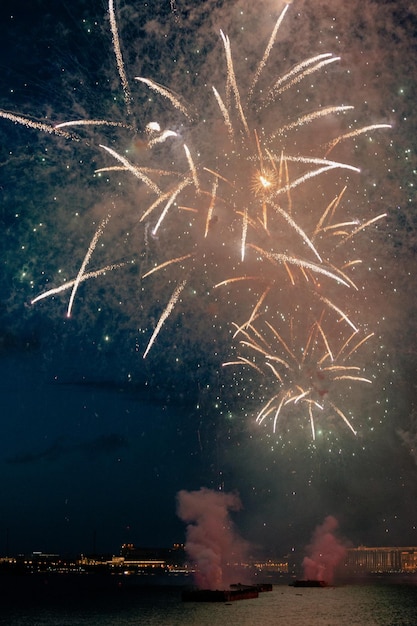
(409, 559)
(169, 556)
(133, 559)
(271, 566)
(38, 562)
(374, 560)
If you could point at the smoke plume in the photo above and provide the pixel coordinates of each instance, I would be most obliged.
(324, 553)
(212, 544)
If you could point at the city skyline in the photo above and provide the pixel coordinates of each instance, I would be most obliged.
(174, 560)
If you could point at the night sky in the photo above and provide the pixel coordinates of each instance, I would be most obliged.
(96, 441)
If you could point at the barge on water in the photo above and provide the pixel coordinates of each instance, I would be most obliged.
(309, 583)
(236, 592)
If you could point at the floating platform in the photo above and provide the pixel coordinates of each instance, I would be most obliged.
(236, 592)
(261, 587)
(309, 583)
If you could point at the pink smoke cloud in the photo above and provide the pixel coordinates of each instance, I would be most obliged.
(324, 553)
(212, 544)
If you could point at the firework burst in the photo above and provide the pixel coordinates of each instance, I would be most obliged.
(241, 213)
(308, 379)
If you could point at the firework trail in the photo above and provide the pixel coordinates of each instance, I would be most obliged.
(283, 83)
(52, 130)
(166, 93)
(85, 262)
(119, 58)
(136, 171)
(354, 133)
(92, 123)
(267, 52)
(81, 279)
(166, 313)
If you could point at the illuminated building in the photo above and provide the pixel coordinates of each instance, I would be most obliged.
(276, 566)
(364, 559)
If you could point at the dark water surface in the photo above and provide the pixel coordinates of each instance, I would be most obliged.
(42, 601)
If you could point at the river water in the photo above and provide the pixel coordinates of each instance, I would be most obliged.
(49, 604)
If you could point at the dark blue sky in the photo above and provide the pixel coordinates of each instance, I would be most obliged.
(96, 441)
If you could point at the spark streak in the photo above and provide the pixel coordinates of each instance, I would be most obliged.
(232, 81)
(52, 130)
(310, 117)
(299, 263)
(119, 58)
(267, 52)
(297, 74)
(165, 314)
(93, 123)
(86, 260)
(171, 200)
(166, 93)
(70, 283)
(136, 171)
(354, 133)
(166, 264)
